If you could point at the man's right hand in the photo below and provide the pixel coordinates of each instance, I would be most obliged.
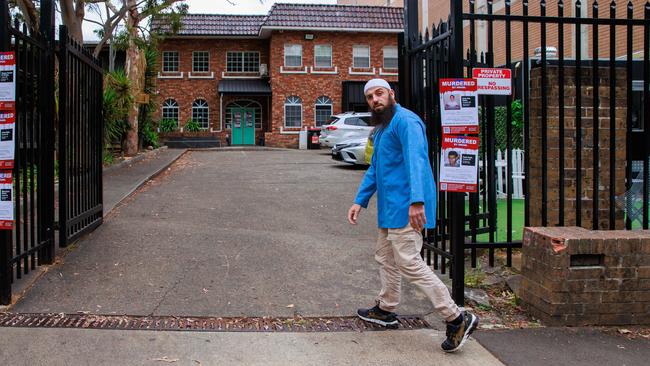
(353, 214)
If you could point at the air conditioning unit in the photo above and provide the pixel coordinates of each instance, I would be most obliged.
(264, 71)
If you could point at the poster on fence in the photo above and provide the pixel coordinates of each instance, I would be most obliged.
(493, 81)
(7, 138)
(7, 77)
(458, 106)
(6, 201)
(459, 163)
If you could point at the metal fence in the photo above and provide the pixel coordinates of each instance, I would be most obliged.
(32, 241)
(596, 75)
(80, 140)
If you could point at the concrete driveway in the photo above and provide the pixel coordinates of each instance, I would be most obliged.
(228, 233)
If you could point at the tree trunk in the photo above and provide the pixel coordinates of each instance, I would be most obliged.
(135, 70)
(72, 18)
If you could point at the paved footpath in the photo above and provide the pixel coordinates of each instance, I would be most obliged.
(226, 233)
(252, 233)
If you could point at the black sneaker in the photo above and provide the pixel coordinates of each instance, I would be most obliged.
(378, 316)
(458, 334)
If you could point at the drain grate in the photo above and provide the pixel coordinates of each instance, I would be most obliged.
(201, 324)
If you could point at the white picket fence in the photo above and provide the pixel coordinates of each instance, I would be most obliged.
(500, 165)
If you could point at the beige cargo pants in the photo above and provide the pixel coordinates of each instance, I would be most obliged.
(398, 253)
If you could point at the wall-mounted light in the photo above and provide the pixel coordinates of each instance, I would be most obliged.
(309, 36)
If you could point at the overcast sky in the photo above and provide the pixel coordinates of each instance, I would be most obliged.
(218, 7)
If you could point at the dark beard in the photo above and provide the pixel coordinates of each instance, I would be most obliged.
(383, 118)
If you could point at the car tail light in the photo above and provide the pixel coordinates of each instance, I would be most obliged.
(331, 128)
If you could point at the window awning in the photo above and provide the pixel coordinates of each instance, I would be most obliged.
(245, 86)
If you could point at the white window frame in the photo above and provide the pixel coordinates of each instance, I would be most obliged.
(206, 106)
(171, 103)
(285, 54)
(292, 101)
(358, 46)
(396, 57)
(242, 53)
(194, 60)
(316, 65)
(322, 101)
(178, 61)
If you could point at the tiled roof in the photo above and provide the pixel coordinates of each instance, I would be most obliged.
(290, 16)
(215, 25)
(314, 16)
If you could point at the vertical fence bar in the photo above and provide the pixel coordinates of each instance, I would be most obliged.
(509, 136)
(544, 129)
(457, 199)
(561, 137)
(646, 116)
(526, 81)
(578, 82)
(6, 236)
(628, 133)
(64, 111)
(491, 125)
(595, 78)
(612, 117)
(471, 58)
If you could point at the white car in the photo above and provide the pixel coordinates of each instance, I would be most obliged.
(346, 126)
(351, 151)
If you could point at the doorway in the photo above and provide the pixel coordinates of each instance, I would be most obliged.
(243, 126)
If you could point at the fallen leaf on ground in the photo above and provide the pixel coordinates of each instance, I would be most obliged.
(165, 359)
(624, 331)
(290, 305)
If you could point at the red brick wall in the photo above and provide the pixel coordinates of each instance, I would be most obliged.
(186, 90)
(306, 86)
(310, 86)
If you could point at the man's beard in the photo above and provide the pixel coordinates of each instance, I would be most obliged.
(383, 118)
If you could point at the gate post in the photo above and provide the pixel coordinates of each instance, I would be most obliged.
(46, 139)
(5, 235)
(404, 45)
(457, 200)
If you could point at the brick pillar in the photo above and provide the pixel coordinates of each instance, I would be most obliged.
(552, 151)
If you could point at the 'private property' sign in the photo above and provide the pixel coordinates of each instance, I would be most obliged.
(491, 81)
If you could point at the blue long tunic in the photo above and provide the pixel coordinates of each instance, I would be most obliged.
(400, 172)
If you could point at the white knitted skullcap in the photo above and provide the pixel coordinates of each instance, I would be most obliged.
(373, 83)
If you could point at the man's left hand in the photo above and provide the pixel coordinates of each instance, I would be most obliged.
(417, 217)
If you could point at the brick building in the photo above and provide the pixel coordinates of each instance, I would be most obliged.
(252, 78)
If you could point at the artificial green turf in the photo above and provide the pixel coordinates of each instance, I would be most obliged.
(502, 228)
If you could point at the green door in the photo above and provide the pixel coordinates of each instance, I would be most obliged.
(243, 126)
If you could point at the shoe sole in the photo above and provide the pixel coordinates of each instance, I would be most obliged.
(391, 325)
(470, 329)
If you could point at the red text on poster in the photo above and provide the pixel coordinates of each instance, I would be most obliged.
(493, 81)
(458, 106)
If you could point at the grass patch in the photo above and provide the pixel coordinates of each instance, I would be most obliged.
(502, 216)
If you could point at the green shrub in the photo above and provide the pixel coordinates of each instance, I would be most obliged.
(501, 124)
(192, 126)
(168, 125)
(117, 101)
(149, 135)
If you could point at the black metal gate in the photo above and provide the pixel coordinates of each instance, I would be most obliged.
(32, 241)
(597, 48)
(80, 140)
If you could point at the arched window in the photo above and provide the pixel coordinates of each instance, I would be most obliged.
(244, 104)
(323, 110)
(293, 112)
(170, 110)
(201, 113)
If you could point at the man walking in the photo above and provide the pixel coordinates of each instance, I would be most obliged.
(401, 175)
